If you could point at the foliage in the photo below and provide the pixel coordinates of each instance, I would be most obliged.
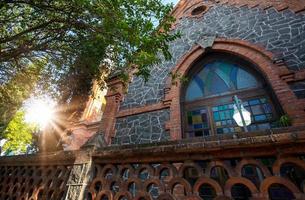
(284, 121)
(18, 134)
(79, 40)
(14, 91)
(176, 76)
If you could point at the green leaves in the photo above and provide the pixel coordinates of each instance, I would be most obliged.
(18, 88)
(18, 134)
(82, 40)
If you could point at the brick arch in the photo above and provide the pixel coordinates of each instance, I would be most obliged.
(282, 181)
(121, 194)
(239, 180)
(250, 161)
(92, 184)
(155, 181)
(109, 167)
(209, 181)
(141, 195)
(172, 170)
(108, 193)
(258, 56)
(189, 165)
(127, 166)
(137, 181)
(165, 196)
(150, 170)
(112, 180)
(276, 168)
(218, 163)
(183, 182)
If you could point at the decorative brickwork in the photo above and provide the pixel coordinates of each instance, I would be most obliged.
(34, 182)
(167, 171)
(38, 177)
(113, 98)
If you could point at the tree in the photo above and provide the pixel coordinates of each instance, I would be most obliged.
(18, 134)
(78, 40)
(14, 91)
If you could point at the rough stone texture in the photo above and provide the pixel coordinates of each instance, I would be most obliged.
(282, 33)
(142, 128)
(76, 174)
(77, 181)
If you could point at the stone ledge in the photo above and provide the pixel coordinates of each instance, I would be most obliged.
(271, 138)
(50, 158)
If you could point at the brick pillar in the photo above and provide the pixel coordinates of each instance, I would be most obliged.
(113, 99)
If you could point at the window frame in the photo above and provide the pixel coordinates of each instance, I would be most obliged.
(223, 98)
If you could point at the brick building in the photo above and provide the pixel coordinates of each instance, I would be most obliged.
(174, 136)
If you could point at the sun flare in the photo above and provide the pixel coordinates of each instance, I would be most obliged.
(40, 111)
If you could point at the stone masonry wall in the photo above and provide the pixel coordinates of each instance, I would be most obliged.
(282, 33)
(142, 128)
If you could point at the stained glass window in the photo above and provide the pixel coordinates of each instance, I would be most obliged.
(198, 124)
(208, 97)
(260, 109)
(219, 77)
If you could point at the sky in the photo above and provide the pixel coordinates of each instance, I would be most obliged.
(171, 1)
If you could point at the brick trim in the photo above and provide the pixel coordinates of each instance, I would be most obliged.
(276, 168)
(219, 163)
(177, 180)
(279, 180)
(254, 162)
(209, 181)
(236, 180)
(113, 97)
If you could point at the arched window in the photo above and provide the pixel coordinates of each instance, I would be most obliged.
(208, 93)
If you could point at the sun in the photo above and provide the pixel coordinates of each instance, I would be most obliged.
(39, 111)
